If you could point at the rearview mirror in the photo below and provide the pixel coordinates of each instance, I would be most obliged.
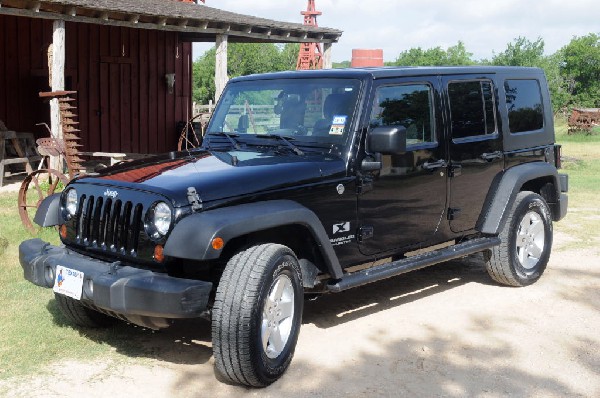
(388, 140)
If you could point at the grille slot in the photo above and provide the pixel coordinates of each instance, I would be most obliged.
(109, 224)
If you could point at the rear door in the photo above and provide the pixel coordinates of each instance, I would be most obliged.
(475, 146)
(402, 203)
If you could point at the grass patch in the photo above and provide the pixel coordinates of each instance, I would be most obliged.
(581, 161)
(33, 332)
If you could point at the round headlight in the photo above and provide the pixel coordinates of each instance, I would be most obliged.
(162, 218)
(71, 202)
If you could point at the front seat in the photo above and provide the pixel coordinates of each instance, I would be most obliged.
(335, 104)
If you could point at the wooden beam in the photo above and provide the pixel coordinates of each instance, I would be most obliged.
(220, 65)
(162, 21)
(287, 36)
(71, 11)
(134, 18)
(183, 23)
(327, 60)
(35, 6)
(58, 80)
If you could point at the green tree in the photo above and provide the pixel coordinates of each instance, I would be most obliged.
(203, 77)
(437, 56)
(581, 70)
(521, 52)
(242, 59)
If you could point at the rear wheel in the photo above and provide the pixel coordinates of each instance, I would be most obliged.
(257, 315)
(526, 237)
(81, 315)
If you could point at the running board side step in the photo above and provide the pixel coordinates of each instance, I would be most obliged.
(405, 265)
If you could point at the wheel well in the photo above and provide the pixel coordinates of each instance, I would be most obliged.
(296, 237)
(544, 186)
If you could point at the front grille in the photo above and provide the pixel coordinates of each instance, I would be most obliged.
(108, 224)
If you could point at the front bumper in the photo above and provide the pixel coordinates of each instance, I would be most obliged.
(123, 291)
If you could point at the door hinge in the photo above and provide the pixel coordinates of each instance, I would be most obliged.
(453, 213)
(364, 186)
(455, 170)
(365, 232)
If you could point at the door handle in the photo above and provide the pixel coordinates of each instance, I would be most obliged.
(492, 155)
(439, 164)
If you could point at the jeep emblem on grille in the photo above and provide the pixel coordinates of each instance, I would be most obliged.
(112, 194)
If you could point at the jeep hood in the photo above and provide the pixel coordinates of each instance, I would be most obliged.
(217, 175)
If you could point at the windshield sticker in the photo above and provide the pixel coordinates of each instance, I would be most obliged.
(338, 124)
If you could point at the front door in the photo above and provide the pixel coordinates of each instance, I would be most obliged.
(402, 203)
(476, 155)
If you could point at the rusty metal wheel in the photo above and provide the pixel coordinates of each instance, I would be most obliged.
(36, 187)
(191, 136)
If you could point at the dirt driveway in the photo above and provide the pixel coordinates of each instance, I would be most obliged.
(442, 331)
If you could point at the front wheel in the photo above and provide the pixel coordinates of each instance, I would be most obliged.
(526, 237)
(257, 315)
(81, 315)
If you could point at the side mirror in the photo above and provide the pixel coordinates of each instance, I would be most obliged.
(388, 140)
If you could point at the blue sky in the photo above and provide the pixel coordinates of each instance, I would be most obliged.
(398, 25)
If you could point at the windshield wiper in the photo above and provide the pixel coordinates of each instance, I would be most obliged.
(230, 137)
(286, 141)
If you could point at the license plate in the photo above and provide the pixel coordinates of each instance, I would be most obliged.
(68, 282)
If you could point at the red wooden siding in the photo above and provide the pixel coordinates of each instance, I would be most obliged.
(23, 72)
(124, 104)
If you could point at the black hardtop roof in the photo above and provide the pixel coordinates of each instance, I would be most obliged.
(389, 72)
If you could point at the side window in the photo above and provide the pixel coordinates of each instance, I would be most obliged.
(409, 105)
(472, 108)
(524, 104)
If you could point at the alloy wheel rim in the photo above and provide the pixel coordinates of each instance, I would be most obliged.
(278, 316)
(530, 240)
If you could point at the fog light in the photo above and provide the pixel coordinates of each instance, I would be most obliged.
(158, 253)
(63, 231)
(49, 276)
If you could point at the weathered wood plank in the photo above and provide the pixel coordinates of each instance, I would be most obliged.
(153, 91)
(144, 66)
(94, 109)
(220, 65)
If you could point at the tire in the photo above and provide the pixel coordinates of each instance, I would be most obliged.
(521, 258)
(260, 295)
(81, 315)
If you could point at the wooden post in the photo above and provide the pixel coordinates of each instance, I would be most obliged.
(327, 63)
(58, 82)
(220, 65)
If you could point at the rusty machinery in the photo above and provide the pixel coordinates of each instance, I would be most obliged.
(45, 181)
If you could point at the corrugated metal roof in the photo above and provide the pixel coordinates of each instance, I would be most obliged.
(200, 20)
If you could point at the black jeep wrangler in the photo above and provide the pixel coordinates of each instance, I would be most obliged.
(309, 183)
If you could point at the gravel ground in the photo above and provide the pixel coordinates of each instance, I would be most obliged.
(443, 331)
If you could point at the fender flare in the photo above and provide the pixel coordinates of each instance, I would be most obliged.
(502, 197)
(48, 213)
(192, 236)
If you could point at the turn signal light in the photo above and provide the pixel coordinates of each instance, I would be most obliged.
(158, 253)
(62, 230)
(218, 243)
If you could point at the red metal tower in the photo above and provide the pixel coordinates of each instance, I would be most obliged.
(310, 55)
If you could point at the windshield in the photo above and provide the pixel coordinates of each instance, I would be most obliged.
(305, 110)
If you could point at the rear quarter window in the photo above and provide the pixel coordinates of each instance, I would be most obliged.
(524, 105)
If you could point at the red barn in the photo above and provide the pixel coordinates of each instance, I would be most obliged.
(120, 55)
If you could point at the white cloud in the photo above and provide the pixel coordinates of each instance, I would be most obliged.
(397, 25)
